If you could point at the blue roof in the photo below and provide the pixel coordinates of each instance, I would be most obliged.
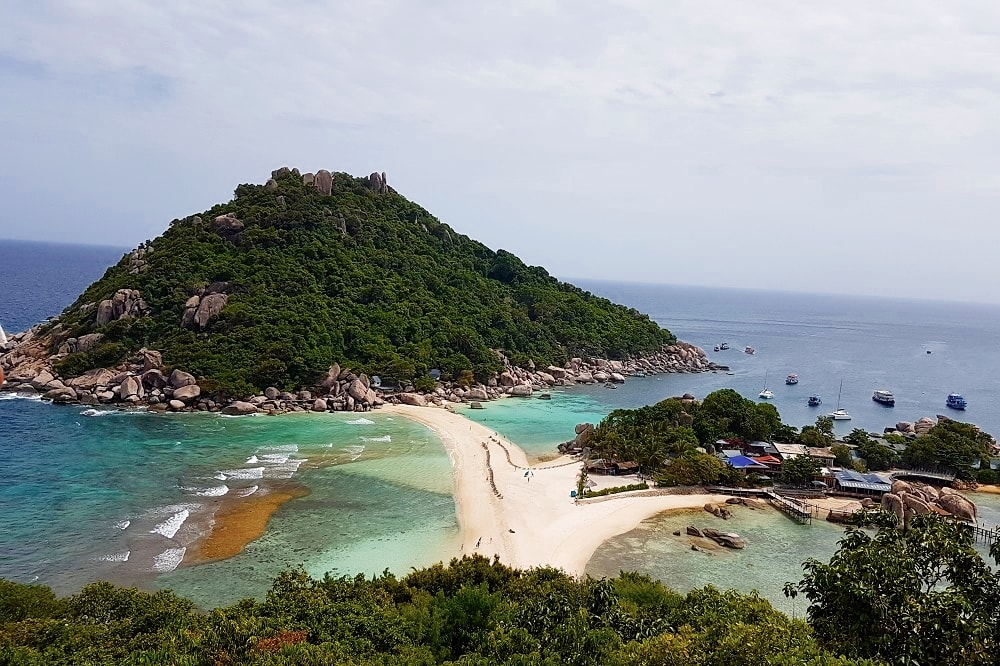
(742, 462)
(848, 478)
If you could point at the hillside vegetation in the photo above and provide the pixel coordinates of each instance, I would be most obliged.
(361, 276)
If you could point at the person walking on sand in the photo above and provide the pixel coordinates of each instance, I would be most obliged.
(478, 541)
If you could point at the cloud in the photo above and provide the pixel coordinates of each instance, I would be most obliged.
(670, 132)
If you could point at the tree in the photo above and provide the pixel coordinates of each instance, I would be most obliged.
(799, 470)
(825, 425)
(923, 596)
(877, 457)
(842, 455)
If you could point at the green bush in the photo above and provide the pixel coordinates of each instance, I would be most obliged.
(614, 490)
(987, 476)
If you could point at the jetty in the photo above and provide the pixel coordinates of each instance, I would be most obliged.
(797, 511)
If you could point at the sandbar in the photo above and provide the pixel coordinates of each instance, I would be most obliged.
(531, 520)
(238, 522)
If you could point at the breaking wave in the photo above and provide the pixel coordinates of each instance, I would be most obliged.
(168, 559)
(169, 527)
(116, 557)
(360, 422)
(383, 438)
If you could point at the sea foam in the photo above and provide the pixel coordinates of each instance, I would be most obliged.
(214, 491)
(168, 559)
(360, 422)
(383, 438)
(248, 473)
(116, 557)
(244, 492)
(123, 524)
(169, 527)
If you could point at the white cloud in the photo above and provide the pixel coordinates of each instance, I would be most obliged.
(777, 133)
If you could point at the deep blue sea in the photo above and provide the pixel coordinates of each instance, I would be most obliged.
(122, 496)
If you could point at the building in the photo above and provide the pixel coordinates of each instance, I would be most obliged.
(849, 481)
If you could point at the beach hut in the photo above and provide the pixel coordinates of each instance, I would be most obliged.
(850, 481)
(601, 466)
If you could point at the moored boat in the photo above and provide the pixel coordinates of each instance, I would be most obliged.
(840, 415)
(956, 401)
(749, 350)
(815, 401)
(3, 337)
(884, 398)
(765, 393)
(792, 379)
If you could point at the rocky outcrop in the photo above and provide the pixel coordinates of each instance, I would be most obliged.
(323, 182)
(379, 184)
(414, 399)
(239, 408)
(209, 306)
(227, 224)
(125, 304)
(908, 499)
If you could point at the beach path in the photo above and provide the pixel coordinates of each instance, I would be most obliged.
(530, 520)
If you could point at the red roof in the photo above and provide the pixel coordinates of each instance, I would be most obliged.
(767, 460)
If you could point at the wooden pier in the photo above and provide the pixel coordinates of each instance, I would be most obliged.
(790, 507)
(981, 533)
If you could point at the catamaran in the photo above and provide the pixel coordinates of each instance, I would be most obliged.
(840, 414)
(765, 393)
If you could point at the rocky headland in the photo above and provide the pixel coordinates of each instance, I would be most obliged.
(143, 380)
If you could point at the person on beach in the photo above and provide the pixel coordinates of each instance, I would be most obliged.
(478, 541)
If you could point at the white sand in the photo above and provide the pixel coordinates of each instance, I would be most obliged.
(549, 528)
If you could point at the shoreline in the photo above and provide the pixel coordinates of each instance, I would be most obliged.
(531, 521)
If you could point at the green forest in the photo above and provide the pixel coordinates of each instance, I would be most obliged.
(369, 280)
(923, 596)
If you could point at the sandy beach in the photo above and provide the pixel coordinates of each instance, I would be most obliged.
(533, 521)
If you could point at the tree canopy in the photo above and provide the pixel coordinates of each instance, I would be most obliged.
(368, 280)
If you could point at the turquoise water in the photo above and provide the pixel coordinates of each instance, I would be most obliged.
(124, 494)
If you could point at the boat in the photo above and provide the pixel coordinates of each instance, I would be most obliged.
(749, 350)
(792, 379)
(716, 347)
(766, 393)
(544, 396)
(610, 386)
(3, 337)
(724, 346)
(955, 401)
(815, 401)
(840, 414)
(884, 398)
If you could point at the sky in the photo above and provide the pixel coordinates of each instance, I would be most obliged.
(846, 147)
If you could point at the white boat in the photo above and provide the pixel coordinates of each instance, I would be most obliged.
(766, 393)
(3, 337)
(840, 414)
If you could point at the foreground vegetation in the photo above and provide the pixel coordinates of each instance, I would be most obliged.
(923, 596)
(371, 281)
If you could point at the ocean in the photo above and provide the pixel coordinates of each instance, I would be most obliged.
(91, 494)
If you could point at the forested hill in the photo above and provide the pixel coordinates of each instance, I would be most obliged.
(305, 270)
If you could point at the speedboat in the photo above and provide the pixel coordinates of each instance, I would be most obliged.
(840, 415)
(815, 401)
(749, 350)
(724, 346)
(884, 398)
(792, 379)
(716, 347)
(955, 401)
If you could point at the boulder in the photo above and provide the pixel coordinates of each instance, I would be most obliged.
(331, 378)
(955, 504)
(209, 307)
(319, 405)
(600, 377)
(892, 502)
(357, 389)
(899, 487)
(271, 393)
(694, 531)
(414, 399)
(918, 505)
(475, 405)
(187, 393)
(228, 223)
(546, 378)
(239, 408)
(476, 394)
(271, 185)
(179, 378)
(154, 379)
(190, 308)
(584, 378)
(309, 179)
(175, 405)
(323, 182)
(149, 359)
(92, 379)
(521, 391)
(42, 379)
(557, 373)
(61, 394)
(85, 343)
(130, 387)
(507, 379)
